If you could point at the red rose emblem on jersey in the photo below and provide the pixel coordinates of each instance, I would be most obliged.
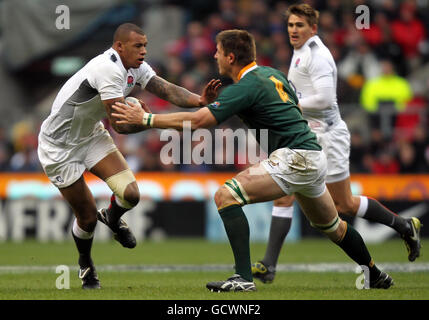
(297, 62)
(130, 81)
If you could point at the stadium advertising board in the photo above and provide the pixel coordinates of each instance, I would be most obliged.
(33, 208)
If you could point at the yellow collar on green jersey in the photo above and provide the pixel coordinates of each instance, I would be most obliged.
(246, 69)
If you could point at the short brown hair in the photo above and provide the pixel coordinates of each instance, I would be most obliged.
(123, 31)
(303, 10)
(239, 42)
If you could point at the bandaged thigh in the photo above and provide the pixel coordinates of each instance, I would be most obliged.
(118, 183)
(330, 227)
(237, 191)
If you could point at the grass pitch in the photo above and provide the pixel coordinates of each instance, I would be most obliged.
(178, 269)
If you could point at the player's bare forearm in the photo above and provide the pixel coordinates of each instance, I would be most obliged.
(131, 115)
(173, 93)
(178, 121)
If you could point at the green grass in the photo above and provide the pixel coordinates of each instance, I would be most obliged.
(181, 285)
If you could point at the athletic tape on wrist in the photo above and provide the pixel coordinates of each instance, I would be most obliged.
(148, 119)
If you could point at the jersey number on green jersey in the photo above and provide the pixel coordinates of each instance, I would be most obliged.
(279, 87)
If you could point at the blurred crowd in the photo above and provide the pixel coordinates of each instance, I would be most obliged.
(382, 79)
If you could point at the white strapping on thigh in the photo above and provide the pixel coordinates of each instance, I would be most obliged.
(328, 227)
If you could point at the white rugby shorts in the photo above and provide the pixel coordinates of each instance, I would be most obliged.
(65, 165)
(297, 170)
(335, 142)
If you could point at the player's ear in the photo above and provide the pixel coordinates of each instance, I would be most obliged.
(119, 46)
(314, 29)
(231, 58)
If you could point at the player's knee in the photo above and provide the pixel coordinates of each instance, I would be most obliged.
(346, 207)
(286, 201)
(124, 186)
(132, 194)
(232, 192)
(222, 197)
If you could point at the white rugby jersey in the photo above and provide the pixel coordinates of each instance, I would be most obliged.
(313, 75)
(77, 109)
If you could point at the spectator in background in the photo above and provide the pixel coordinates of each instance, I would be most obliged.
(388, 7)
(358, 151)
(359, 65)
(194, 45)
(25, 157)
(6, 151)
(228, 10)
(385, 163)
(259, 12)
(409, 32)
(407, 158)
(4, 158)
(25, 160)
(388, 90)
(377, 141)
(421, 146)
(379, 36)
(412, 117)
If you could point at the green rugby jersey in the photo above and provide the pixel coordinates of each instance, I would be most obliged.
(263, 99)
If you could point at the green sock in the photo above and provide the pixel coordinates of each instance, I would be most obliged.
(237, 230)
(355, 247)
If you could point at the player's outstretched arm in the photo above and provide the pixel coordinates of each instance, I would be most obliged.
(180, 96)
(135, 116)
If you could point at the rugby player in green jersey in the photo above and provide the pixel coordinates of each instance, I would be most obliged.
(263, 99)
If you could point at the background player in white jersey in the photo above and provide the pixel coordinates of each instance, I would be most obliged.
(313, 75)
(72, 139)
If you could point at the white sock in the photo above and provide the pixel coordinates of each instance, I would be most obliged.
(80, 233)
(283, 212)
(363, 206)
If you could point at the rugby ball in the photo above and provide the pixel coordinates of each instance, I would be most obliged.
(133, 100)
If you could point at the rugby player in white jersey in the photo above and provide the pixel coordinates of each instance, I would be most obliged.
(73, 139)
(313, 75)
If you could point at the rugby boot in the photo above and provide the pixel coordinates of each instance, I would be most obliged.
(121, 231)
(263, 273)
(234, 283)
(412, 241)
